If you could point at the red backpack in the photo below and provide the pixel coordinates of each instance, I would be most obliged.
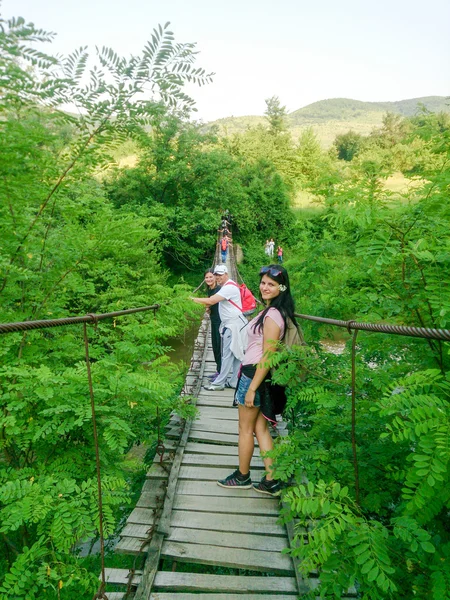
(224, 244)
(247, 298)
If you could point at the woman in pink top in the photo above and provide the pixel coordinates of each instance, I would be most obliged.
(253, 390)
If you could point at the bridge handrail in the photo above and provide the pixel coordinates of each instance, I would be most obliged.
(420, 332)
(89, 318)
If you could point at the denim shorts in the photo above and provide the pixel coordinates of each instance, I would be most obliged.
(242, 388)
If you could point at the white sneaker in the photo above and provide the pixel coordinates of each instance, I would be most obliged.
(214, 388)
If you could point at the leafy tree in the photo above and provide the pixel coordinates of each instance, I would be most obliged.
(310, 157)
(348, 144)
(394, 129)
(259, 144)
(276, 115)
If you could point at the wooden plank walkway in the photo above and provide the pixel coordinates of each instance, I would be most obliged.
(200, 522)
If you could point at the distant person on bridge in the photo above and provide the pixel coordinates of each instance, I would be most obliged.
(271, 247)
(213, 288)
(280, 254)
(233, 329)
(258, 401)
(224, 248)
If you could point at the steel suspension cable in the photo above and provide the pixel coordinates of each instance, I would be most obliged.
(411, 331)
(89, 318)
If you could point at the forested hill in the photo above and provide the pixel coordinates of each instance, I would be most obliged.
(328, 118)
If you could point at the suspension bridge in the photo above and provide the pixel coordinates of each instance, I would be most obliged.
(183, 516)
(192, 538)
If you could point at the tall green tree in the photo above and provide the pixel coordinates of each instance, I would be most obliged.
(276, 114)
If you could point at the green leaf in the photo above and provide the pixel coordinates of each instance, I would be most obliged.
(428, 547)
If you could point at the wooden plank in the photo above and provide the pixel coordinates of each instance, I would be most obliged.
(199, 448)
(152, 486)
(219, 460)
(223, 414)
(226, 396)
(210, 488)
(228, 540)
(205, 474)
(217, 438)
(214, 425)
(256, 560)
(141, 516)
(244, 505)
(133, 530)
(185, 596)
(214, 402)
(226, 584)
(147, 500)
(128, 545)
(120, 576)
(211, 504)
(231, 523)
(157, 473)
(173, 434)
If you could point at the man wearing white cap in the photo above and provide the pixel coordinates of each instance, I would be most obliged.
(233, 329)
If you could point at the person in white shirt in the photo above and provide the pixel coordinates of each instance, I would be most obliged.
(233, 329)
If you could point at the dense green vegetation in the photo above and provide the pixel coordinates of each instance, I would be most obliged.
(80, 234)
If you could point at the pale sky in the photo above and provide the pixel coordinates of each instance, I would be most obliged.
(301, 51)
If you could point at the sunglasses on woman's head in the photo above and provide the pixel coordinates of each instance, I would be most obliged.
(271, 271)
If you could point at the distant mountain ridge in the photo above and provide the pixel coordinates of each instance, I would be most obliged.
(330, 117)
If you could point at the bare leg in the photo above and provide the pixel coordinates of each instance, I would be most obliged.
(265, 443)
(247, 420)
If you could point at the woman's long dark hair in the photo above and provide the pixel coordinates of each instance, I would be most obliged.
(284, 302)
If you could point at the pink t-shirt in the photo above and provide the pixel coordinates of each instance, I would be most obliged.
(255, 351)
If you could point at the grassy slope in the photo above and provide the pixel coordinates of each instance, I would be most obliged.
(328, 118)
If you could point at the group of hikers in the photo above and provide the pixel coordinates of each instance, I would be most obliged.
(241, 350)
(269, 250)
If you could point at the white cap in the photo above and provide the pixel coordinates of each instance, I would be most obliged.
(220, 270)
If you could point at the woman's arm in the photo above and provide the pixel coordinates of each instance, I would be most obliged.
(271, 332)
